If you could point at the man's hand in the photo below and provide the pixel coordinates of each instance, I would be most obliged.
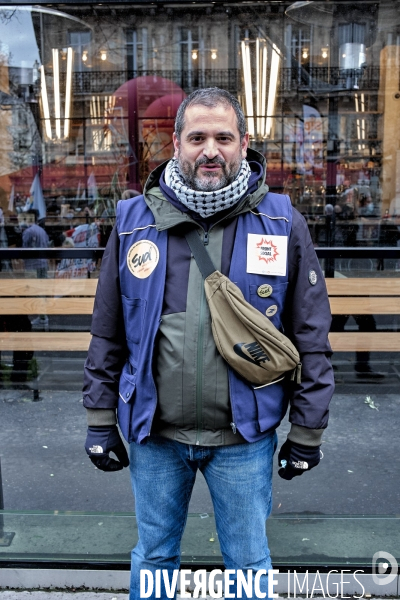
(296, 458)
(102, 440)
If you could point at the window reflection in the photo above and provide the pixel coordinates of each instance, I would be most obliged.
(88, 101)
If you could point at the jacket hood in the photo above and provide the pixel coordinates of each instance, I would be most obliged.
(166, 215)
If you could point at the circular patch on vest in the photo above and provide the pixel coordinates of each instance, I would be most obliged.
(312, 277)
(271, 311)
(265, 290)
(142, 258)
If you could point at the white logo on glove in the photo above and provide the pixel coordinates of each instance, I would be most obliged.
(96, 450)
(300, 464)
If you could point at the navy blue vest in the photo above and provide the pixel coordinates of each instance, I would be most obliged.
(142, 287)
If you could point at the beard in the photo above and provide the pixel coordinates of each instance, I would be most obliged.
(209, 182)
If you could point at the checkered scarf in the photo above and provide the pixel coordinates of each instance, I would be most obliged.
(207, 203)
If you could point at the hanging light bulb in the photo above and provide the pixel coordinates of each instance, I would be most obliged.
(194, 55)
(324, 52)
(84, 56)
(103, 55)
(213, 54)
(305, 53)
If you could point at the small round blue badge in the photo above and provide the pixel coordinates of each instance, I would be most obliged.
(312, 277)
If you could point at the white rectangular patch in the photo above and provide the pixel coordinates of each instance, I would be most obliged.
(267, 254)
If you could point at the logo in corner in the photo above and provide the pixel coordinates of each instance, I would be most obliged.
(381, 563)
(142, 258)
(251, 352)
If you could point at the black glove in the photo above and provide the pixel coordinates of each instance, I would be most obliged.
(296, 458)
(102, 440)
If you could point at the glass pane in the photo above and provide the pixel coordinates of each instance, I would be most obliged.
(89, 96)
(103, 537)
(89, 114)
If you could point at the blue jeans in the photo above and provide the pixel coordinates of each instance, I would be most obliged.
(239, 478)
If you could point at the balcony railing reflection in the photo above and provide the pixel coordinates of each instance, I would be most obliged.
(98, 82)
(317, 78)
(326, 79)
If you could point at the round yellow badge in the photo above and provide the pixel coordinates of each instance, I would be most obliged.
(142, 258)
(264, 290)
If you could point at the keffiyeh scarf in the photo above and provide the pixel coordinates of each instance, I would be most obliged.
(207, 203)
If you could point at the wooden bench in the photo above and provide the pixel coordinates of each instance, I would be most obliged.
(46, 297)
(76, 296)
(364, 296)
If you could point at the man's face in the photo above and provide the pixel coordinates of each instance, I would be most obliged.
(210, 152)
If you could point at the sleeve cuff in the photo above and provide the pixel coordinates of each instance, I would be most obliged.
(100, 417)
(305, 436)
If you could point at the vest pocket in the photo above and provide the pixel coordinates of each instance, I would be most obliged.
(271, 306)
(134, 311)
(271, 405)
(127, 392)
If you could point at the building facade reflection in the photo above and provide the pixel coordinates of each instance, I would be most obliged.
(89, 96)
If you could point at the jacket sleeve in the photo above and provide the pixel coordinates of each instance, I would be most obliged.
(107, 351)
(306, 321)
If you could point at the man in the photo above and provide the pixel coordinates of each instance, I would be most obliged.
(35, 236)
(179, 405)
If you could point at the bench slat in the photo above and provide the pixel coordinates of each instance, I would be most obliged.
(366, 286)
(46, 306)
(47, 287)
(84, 306)
(365, 341)
(364, 306)
(79, 341)
(40, 341)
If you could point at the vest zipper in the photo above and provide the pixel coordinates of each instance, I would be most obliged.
(199, 371)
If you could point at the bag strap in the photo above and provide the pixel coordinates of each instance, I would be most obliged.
(200, 253)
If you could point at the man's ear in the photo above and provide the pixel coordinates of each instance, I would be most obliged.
(175, 141)
(245, 144)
